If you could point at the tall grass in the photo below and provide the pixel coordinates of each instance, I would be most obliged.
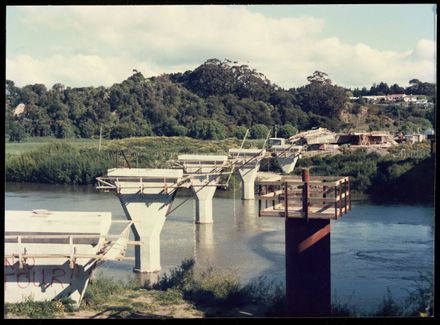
(70, 163)
(220, 288)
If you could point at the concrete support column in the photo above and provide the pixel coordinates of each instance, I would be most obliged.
(203, 188)
(248, 174)
(148, 215)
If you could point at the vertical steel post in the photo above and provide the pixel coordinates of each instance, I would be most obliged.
(340, 198)
(345, 197)
(307, 266)
(349, 193)
(306, 192)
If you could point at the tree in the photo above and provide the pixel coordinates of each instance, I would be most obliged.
(321, 97)
(16, 132)
(240, 132)
(208, 130)
(258, 131)
(286, 131)
(319, 77)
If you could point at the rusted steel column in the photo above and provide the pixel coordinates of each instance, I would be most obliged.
(349, 193)
(340, 198)
(305, 192)
(345, 198)
(307, 267)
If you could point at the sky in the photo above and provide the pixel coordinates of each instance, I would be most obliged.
(356, 45)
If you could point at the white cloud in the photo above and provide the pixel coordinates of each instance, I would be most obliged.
(106, 43)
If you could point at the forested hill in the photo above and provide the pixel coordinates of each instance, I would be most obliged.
(216, 100)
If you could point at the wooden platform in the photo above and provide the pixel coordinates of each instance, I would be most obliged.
(320, 197)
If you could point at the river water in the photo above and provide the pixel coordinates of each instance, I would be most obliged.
(373, 247)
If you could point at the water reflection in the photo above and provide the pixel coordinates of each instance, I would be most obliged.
(204, 243)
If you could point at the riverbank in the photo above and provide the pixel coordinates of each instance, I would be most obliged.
(184, 293)
(394, 177)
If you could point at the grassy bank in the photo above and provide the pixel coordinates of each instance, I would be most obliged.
(405, 174)
(187, 293)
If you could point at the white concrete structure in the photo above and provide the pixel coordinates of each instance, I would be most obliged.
(287, 156)
(204, 172)
(248, 163)
(51, 254)
(146, 195)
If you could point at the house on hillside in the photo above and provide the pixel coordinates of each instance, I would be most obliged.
(415, 138)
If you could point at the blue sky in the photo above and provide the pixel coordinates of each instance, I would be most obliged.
(385, 27)
(357, 45)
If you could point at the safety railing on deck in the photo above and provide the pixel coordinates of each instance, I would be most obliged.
(318, 197)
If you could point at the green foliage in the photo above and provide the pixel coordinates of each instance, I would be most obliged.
(208, 130)
(100, 289)
(360, 166)
(240, 132)
(222, 91)
(218, 288)
(385, 179)
(36, 309)
(286, 131)
(179, 278)
(16, 132)
(258, 131)
(58, 163)
(322, 98)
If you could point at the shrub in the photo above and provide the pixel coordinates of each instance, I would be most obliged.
(35, 309)
(286, 131)
(179, 278)
(208, 130)
(216, 288)
(258, 131)
(100, 289)
(240, 132)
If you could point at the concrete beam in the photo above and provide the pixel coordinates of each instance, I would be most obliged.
(287, 156)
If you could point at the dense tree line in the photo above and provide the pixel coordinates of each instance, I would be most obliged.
(216, 100)
(416, 87)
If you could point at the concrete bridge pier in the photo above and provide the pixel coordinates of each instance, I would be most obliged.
(146, 196)
(248, 164)
(148, 214)
(203, 188)
(248, 176)
(204, 172)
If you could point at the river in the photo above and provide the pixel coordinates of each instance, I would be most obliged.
(373, 247)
